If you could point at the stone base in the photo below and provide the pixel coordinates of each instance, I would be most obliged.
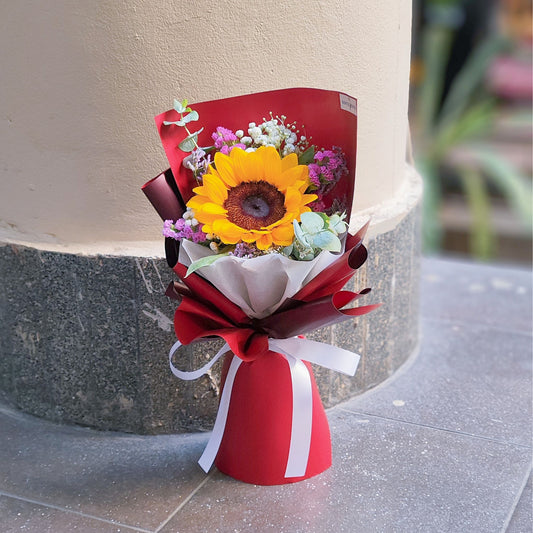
(84, 339)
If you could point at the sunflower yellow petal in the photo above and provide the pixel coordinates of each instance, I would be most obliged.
(228, 232)
(196, 202)
(293, 200)
(287, 219)
(214, 209)
(308, 198)
(264, 241)
(224, 165)
(242, 169)
(207, 218)
(214, 188)
(248, 165)
(294, 175)
(283, 235)
(288, 162)
(271, 163)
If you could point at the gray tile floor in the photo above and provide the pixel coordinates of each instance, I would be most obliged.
(444, 446)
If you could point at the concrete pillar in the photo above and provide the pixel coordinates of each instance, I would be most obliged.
(81, 83)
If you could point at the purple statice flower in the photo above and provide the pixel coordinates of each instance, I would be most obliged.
(184, 229)
(314, 174)
(339, 205)
(328, 167)
(244, 251)
(198, 161)
(318, 206)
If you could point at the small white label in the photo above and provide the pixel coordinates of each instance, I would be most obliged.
(348, 104)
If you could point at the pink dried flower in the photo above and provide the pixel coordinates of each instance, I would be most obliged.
(183, 229)
(328, 168)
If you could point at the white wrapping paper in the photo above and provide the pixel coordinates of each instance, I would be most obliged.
(260, 285)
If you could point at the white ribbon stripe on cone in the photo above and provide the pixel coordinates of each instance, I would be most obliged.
(295, 350)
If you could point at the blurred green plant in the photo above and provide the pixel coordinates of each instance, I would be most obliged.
(465, 115)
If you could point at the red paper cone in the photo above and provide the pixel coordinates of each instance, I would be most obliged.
(255, 445)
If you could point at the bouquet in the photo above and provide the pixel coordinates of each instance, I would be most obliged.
(256, 205)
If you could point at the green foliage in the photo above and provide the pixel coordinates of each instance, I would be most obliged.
(190, 142)
(317, 232)
(204, 261)
(307, 157)
(187, 115)
(465, 116)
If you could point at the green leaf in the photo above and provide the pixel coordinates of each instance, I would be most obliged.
(307, 157)
(326, 240)
(475, 121)
(470, 78)
(299, 234)
(190, 117)
(190, 142)
(515, 186)
(181, 107)
(482, 240)
(436, 45)
(337, 224)
(312, 222)
(431, 202)
(203, 262)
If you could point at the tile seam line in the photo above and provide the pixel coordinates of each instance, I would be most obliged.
(72, 511)
(184, 502)
(481, 325)
(517, 500)
(427, 426)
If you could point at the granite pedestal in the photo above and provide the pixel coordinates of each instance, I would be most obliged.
(84, 339)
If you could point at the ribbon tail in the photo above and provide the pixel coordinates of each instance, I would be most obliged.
(325, 355)
(195, 374)
(211, 450)
(302, 419)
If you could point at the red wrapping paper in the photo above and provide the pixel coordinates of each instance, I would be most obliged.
(329, 118)
(256, 440)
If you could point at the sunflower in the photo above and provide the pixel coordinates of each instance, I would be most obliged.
(252, 197)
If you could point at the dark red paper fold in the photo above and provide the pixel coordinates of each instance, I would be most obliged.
(204, 311)
(164, 196)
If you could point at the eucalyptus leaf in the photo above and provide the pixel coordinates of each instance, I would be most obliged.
(190, 117)
(326, 240)
(299, 234)
(189, 143)
(312, 222)
(181, 107)
(337, 224)
(287, 250)
(203, 262)
(176, 123)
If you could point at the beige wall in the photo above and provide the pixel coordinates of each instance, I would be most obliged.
(81, 82)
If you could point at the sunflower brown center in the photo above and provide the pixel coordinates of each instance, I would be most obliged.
(254, 204)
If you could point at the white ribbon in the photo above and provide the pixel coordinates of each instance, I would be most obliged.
(295, 350)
